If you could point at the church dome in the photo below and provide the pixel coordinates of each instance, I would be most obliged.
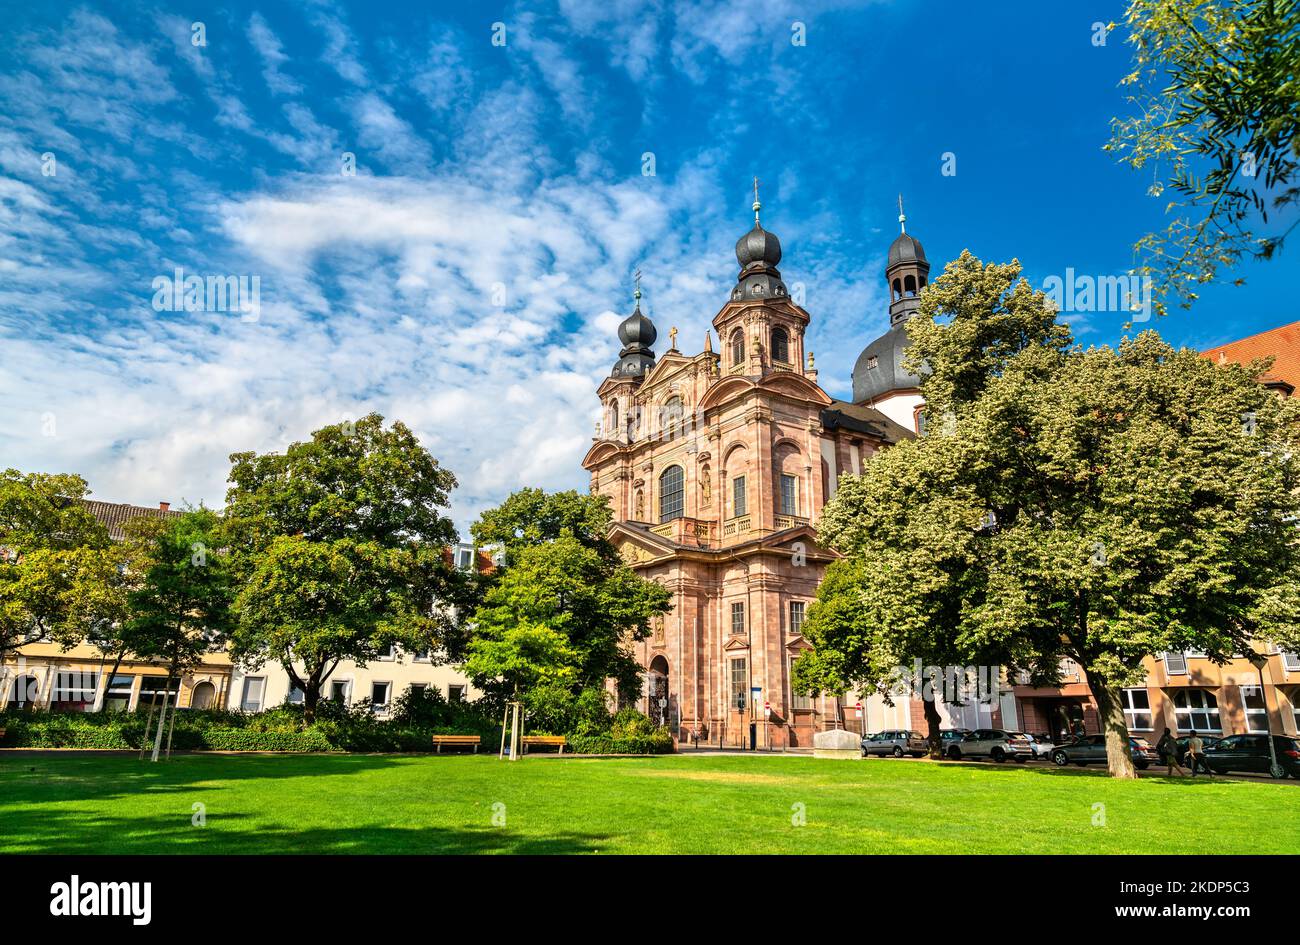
(905, 249)
(758, 246)
(879, 368)
(637, 331)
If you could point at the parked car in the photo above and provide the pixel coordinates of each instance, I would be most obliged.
(992, 743)
(949, 735)
(1250, 753)
(1091, 750)
(1041, 745)
(896, 742)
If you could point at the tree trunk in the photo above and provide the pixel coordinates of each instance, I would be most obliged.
(933, 722)
(310, 697)
(117, 664)
(1119, 758)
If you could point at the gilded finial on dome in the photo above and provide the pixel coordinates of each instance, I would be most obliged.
(757, 206)
(902, 218)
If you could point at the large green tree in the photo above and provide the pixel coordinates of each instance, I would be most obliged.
(910, 533)
(1216, 110)
(182, 609)
(564, 611)
(339, 545)
(49, 543)
(1099, 505)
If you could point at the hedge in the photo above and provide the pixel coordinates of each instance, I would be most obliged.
(284, 729)
(658, 743)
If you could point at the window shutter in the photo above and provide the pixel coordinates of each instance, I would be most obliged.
(1175, 664)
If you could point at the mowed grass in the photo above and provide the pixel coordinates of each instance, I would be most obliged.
(670, 804)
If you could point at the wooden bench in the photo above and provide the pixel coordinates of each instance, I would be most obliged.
(554, 741)
(463, 741)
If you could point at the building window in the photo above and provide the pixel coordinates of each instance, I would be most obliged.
(613, 418)
(465, 558)
(797, 701)
(739, 683)
(388, 652)
(670, 417)
(737, 347)
(1252, 699)
(872, 363)
(422, 656)
(117, 698)
(417, 689)
(74, 691)
(1137, 710)
(738, 617)
(1196, 710)
(296, 695)
(155, 689)
(254, 690)
(796, 616)
(738, 496)
(339, 691)
(789, 504)
(379, 695)
(672, 493)
(780, 345)
(455, 693)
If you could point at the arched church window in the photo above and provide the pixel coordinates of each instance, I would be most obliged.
(737, 347)
(898, 289)
(670, 417)
(613, 417)
(780, 345)
(909, 285)
(672, 493)
(631, 424)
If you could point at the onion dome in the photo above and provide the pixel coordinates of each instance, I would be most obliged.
(638, 334)
(758, 252)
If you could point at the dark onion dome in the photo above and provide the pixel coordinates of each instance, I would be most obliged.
(879, 368)
(905, 249)
(638, 334)
(758, 246)
(758, 252)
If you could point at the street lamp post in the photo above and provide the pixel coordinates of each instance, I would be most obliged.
(1259, 661)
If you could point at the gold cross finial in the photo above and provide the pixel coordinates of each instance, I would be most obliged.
(757, 205)
(672, 335)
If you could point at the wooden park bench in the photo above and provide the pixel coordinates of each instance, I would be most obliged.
(555, 741)
(463, 741)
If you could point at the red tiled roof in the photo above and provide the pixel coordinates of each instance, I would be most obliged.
(114, 515)
(1282, 344)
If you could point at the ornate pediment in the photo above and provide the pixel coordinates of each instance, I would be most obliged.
(736, 643)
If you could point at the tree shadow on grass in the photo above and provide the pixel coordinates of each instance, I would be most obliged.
(68, 832)
(1092, 771)
(33, 779)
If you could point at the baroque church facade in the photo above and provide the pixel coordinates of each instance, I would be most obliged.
(716, 466)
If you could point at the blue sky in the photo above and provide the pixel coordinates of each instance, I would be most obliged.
(469, 277)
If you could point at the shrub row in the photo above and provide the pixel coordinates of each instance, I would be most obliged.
(658, 743)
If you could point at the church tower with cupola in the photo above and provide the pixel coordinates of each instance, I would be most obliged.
(880, 379)
(716, 466)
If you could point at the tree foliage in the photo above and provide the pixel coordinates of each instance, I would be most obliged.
(339, 546)
(58, 570)
(1100, 505)
(1216, 102)
(564, 612)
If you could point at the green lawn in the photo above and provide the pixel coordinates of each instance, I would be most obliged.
(667, 804)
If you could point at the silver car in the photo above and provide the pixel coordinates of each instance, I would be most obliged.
(896, 742)
(993, 743)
